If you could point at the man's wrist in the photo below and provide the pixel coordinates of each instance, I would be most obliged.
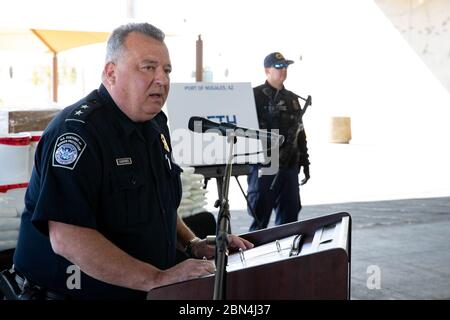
(190, 244)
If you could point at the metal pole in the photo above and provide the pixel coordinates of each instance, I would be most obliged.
(199, 59)
(55, 77)
(220, 281)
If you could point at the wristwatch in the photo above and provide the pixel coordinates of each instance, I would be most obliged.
(190, 244)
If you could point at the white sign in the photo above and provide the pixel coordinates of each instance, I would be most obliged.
(219, 102)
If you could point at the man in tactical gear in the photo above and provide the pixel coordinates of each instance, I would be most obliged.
(278, 109)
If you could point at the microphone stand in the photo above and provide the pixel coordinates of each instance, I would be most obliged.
(223, 222)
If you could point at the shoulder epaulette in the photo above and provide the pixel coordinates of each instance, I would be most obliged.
(84, 108)
(161, 118)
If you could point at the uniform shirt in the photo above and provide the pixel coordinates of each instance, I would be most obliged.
(95, 168)
(280, 109)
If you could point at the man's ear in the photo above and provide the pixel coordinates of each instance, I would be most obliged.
(110, 73)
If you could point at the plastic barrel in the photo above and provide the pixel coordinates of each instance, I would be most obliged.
(35, 136)
(14, 158)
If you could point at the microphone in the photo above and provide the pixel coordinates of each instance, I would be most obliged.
(202, 125)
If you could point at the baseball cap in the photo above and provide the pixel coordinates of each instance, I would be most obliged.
(276, 60)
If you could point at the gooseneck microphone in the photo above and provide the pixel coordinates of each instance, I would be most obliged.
(202, 125)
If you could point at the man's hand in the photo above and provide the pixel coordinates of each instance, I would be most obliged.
(235, 242)
(201, 249)
(306, 173)
(188, 269)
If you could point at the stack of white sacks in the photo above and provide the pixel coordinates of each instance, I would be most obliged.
(11, 206)
(16, 163)
(193, 199)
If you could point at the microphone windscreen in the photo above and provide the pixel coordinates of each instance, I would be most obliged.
(193, 120)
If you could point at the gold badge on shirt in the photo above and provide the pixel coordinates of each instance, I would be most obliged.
(295, 105)
(164, 142)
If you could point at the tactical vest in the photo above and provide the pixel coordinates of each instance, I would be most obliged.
(281, 110)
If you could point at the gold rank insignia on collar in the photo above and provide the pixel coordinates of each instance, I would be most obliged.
(164, 142)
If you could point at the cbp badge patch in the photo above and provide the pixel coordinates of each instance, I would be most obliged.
(67, 151)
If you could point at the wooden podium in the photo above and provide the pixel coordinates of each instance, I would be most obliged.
(320, 270)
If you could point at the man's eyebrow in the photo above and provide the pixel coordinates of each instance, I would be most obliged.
(148, 61)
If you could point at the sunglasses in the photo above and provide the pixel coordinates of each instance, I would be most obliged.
(280, 65)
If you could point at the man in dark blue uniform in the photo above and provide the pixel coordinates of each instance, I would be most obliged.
(100, 215)
(278, 109)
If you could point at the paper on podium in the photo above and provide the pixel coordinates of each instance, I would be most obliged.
(266, 253)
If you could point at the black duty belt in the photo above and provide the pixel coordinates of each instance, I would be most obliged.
(18, 287)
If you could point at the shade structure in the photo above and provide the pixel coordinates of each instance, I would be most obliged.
(54, 41)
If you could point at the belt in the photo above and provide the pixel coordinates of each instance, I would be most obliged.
(37, 291)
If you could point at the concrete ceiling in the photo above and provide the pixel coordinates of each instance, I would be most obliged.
(425, 25)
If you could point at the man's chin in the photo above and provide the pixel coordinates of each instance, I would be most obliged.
(150, 111)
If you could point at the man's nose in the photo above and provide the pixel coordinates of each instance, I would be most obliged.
(162, 77)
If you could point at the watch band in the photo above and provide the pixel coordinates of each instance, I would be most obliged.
(190, 244)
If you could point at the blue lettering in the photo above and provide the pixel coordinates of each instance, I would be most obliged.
(232, 121)
(215, 87)
(224, 118)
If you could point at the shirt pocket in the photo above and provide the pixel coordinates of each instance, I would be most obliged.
(128, 201)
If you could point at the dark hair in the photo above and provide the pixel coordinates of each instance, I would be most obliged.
(114, 46)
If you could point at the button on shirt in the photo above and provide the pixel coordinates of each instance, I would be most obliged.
(95, 168)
